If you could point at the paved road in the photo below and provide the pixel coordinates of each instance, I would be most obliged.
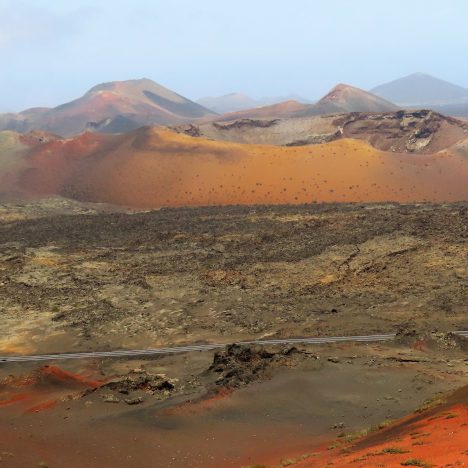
(201, 347)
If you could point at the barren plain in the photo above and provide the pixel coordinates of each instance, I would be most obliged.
(83, 277)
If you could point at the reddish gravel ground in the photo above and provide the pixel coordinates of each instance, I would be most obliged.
(436, 437)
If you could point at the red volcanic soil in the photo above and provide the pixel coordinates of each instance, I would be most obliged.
(7, 401)
(57, 374)
(33, 392)
(52, 164)
(436, 437)
(226, 430)
(153, 167)
(43, 406)
(50, 375)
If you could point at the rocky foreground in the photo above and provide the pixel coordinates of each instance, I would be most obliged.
(81, 277)
(99, 281)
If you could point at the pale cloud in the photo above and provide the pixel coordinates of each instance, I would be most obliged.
(22, 23)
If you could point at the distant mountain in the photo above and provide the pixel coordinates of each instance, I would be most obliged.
(341, 99)
(229, 103)
(118, 106)
(266, 101)
(421, 90)
(275, 111)
(236, 102)
(459, 109)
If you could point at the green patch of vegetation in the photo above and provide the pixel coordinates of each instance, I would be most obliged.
(433, 402)
(387, 451)
(291, 461)
(451, 416)
(419, 442)
(394, 450)
(417, 435)
(372, 454)
(349, 438)
(356, 435)
(385, 424)
(416, 462)
(288, 462)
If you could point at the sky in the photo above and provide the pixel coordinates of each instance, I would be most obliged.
(53, 51)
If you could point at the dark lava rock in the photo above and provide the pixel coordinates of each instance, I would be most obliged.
(334, 359)
(140, 380)
(239, 365)
(134, 401)
(432, 339)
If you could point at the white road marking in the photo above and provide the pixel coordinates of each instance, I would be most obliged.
(200, 347)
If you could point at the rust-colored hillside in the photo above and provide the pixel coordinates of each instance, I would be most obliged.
(433, 438)
(154, 167)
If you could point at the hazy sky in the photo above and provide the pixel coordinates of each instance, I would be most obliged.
(53, 51)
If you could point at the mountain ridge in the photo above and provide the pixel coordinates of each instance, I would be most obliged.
(342, 98)
(134, 103)
(235, 102)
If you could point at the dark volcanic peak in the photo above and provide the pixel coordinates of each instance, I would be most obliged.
(140, 83)
(421, 90)
(352, 99)
(117, 105)
(346, 98)
(338, 91)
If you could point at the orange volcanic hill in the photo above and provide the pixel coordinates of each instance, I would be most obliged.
(114, 107)
(433, 438)
(155, 167)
